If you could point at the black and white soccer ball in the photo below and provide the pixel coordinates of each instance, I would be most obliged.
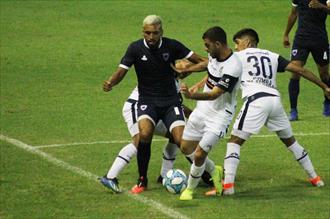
(175, 181)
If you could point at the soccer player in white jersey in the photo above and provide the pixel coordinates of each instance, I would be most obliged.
(210, 119)
(129, 151)
(263, 105)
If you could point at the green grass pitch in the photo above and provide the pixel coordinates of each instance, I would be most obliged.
(54, 57)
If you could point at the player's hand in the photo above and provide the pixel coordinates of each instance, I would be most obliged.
(286, 42)
(177, 70)
(315, 4)
(185, 90)
(327, 92)
(107, 86)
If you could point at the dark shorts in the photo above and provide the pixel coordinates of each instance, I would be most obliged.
(319, 50)
(171, 116)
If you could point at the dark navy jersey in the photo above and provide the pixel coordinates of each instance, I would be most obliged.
(311, 22)
(156, 78)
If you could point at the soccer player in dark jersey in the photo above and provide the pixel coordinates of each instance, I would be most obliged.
(152, 57)
(311, 37)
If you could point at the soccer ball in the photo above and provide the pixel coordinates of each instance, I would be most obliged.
(175, 181)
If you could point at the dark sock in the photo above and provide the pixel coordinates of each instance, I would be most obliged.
(293, 93)
(143, 157)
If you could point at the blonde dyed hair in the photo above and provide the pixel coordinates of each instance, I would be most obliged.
(152, 20)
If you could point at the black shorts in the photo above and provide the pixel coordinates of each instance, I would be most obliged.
(318, 48)
(171, 116)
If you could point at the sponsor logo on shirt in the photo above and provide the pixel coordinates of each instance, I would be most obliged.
(144, 58)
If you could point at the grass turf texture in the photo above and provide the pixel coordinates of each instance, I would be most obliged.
(54, 58)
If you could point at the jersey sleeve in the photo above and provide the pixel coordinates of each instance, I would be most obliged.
(282, 63)
(295, 3)
(227, 82)
(128, 59)
(181, 51)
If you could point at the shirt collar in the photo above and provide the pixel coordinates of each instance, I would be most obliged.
(160, 43)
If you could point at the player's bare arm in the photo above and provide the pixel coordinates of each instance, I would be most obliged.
(291, 21)
(318, 5)
(114, 79)
(201, 66)
(198, 85)
(213, 94)
(309, 76)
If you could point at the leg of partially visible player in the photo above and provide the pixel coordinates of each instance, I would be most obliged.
(201, 163)
(146, 129)
(300, 155)
(324, 75)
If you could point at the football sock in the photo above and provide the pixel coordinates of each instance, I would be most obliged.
(302, 157)
(121, 161)
(231, 162)
(169, 155)
(195, 175)
(143, 157)
(190, 157)
(293, 93)
(209, 165)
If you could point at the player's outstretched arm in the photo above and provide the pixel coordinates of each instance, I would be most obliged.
(211, 95)
(309, 76)
(202, 66)
(198, 85)
(114, 79)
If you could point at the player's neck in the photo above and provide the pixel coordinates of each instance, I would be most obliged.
(224, 54)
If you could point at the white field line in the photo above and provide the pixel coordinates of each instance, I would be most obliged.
(57, 162)
(163, 139)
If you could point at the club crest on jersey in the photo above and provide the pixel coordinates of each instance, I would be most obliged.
(294, 52)
(143, 107)
(166, 56)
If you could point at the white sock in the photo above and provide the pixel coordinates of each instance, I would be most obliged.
(209, 165)
(231, 162)
(121, 161)
(195, 175)
(191, 156)
(169, 155)
(302, 157)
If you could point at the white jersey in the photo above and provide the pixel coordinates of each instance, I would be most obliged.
(259, 71)
(231, 67)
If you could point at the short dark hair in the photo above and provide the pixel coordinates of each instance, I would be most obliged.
(216, 34)
(249, 32)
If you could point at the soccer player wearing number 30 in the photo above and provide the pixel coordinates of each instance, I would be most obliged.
(263, 105)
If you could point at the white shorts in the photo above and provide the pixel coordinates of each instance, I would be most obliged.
(199, 123)
(129, 113)
(266, 111)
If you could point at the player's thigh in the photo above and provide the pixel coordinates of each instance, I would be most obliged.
(320, 53)
(129, 113)
(147, 111)
(194, 129)
(252, 116)
(277, 119)
(173, 116)
(299, 51)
